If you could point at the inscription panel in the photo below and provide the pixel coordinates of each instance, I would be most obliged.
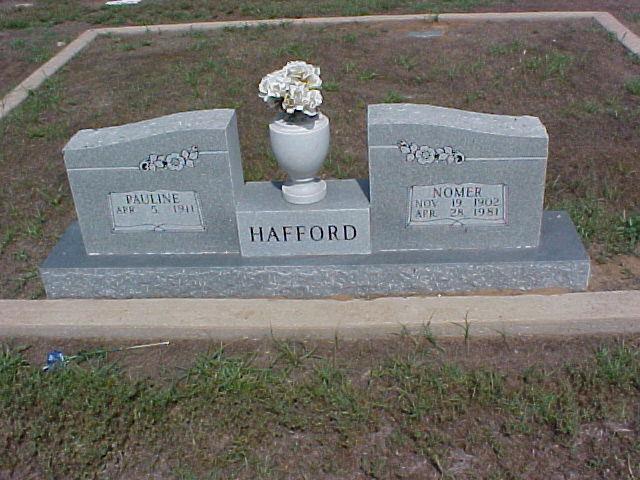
(458, 204)
(338, 225)
(156, 211)
(331, 232)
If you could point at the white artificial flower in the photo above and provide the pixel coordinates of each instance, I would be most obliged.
(296, 86)
(274, 85)
(304, 73)
(297, 67)
(311, 102)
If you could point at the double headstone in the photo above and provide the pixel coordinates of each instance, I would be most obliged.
(453, 203)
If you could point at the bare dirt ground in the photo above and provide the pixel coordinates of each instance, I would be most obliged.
(620, 273)
(23, 51)
(401, 407)
(506, 354)
(40, 43)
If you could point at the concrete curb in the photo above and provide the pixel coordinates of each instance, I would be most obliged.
(33, 81)
(563, 314)
(625, 36)
(516, 16)
(16, 96)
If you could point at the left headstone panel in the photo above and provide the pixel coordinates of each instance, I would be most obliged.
(165, 185)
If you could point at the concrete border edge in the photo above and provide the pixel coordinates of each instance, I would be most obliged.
(559, 314)
(16, 96)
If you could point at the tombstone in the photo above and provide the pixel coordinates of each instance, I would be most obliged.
(453, 204)
(446, 179)
(164, 186)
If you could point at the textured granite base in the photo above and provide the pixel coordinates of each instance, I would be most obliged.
(559, 262)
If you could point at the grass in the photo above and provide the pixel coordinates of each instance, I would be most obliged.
(406, 62)
(393, 97)
(633, 86)
(330, 86)
(366, 75)
(47, 13)
(33, 52)
(552, 64)
(514, 46)
(617, 234)
(63, 19)
(259, 414)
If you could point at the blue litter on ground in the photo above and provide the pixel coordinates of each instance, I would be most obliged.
(55, 358)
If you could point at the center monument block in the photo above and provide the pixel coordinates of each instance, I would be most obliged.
(337, 225)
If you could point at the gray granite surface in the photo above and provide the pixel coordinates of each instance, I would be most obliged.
(559, 262)
(211, 122)
(453, 203)
(475, 182)
(337, 225)
(128, 204)
(477, 134)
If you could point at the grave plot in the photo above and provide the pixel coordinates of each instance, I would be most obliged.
(569, 75)
(23, 51)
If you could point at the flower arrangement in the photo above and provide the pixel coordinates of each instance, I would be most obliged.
(295, 88)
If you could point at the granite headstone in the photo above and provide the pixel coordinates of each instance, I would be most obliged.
(444, 179)
(166, 185)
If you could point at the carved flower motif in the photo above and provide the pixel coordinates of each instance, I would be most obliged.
(296, 87)
(189, 156)
(172, 161)
(423, 154)
(146, 165)
(193, 152)
(175, 162)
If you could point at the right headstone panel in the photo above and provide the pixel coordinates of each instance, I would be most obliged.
(442, 178)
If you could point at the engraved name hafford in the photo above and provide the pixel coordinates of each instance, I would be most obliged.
(461, 204)
(302, 233)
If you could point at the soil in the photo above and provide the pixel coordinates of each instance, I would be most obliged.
(505, 354)
(619, 273)
(593, 127)
(15, 64)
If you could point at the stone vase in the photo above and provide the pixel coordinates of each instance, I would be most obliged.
(300, 144)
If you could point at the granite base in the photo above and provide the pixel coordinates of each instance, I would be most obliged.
(560, 261)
